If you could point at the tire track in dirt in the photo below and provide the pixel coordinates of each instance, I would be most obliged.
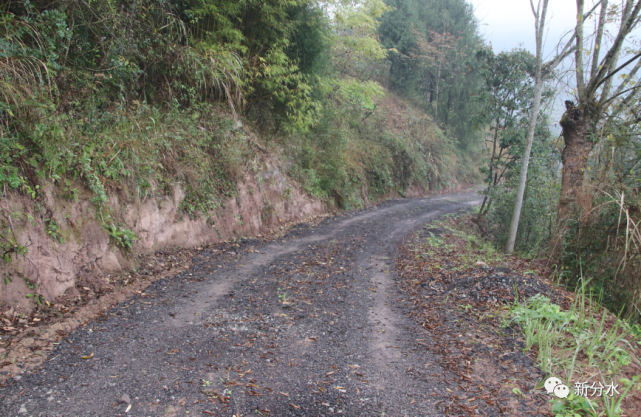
(309, 325)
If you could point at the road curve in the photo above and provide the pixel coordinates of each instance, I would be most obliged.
(309, 325)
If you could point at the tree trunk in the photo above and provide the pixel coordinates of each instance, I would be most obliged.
(577, 128)
(539, 15)
(438, 79)
(520, 192)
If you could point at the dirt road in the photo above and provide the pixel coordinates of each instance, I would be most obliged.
(309, 325)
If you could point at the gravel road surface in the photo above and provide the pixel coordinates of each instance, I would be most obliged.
(309, 325)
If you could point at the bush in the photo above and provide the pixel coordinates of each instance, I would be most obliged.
(538, 213)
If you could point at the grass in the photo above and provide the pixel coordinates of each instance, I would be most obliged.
(583, 344)
(465, 248)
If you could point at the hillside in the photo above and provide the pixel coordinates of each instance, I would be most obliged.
(132, 127)
(68, 242)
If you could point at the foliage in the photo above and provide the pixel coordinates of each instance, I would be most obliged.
(9, 247)
(459, 77)
(436, 56)
(351, 150)
(128, 99)
(538, 214)
(605, 242)
(53, 230)
(606, 246)
(591, 342)
(122, 237)
(505, 99)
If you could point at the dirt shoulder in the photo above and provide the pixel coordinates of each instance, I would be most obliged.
(466, 296)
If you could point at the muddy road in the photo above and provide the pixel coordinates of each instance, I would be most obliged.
(309, 325)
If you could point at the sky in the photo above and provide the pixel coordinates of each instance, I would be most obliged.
(507, 24)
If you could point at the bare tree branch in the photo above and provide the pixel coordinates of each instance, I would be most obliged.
(612, 55)
(628, 78)
(568, 48)
(599, 38)
(580, 78)
(612, 73)
(620, 94)
(624, 103)
(607, 86)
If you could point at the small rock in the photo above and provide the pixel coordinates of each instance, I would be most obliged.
(125, 399)
(480, 263)
(22, 410)
(50, 398)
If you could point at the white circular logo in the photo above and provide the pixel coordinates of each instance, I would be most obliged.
(561, 391)
(551, 383)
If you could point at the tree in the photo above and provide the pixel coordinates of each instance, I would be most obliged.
(504, 101)
(458, 79)
(597, 103)
(434, 54)
(539, 17)
(582, 122)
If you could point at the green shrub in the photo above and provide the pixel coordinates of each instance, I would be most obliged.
(124, 238)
